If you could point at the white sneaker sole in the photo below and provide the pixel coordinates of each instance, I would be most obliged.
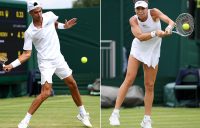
(114, 124)
(22, 126)
(142, 124)
(80, 119)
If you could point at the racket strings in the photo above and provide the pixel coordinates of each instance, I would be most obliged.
(182, 19)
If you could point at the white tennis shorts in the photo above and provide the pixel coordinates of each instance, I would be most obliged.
(58, 66)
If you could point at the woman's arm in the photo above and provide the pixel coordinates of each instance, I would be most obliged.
(136, 31)
(156, 13)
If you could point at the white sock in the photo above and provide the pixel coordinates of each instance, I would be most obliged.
(116, 111)
(82, 110)
(27, 118)
(147, 117)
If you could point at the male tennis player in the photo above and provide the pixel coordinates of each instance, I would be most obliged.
(146, 28)
(42, 33)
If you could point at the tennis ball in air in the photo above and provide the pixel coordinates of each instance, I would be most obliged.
(186, 26)
(84, 59)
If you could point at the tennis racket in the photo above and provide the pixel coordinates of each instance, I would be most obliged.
(184, 18)
(3, 58)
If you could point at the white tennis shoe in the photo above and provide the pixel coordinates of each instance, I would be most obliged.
(85, 119)
(114, 119)
(23, 124)
(146, 124)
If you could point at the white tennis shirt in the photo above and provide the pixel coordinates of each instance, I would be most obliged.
(44, 39)
(148, 51)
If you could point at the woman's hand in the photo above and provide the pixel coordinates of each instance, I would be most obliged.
(161, 33)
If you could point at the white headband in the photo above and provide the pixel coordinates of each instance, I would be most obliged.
(141, 4)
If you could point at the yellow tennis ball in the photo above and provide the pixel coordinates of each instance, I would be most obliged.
(84, 59)
(186, 26)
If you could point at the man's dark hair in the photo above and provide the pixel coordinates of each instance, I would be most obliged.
(35, 4)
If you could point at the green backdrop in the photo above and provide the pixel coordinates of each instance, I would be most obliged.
(81, 40)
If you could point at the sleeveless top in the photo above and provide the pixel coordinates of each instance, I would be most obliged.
(147, 51)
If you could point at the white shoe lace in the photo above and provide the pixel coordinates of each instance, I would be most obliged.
(86, 116)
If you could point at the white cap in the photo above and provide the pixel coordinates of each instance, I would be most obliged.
(141, 4)
(32, 4)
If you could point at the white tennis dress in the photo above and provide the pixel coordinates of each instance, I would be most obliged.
(46, 42)
(148, 51)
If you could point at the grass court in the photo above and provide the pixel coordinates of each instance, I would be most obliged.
(163, 117)
(55, 112)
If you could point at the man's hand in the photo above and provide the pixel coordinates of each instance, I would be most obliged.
(70, 23)
(7, 68)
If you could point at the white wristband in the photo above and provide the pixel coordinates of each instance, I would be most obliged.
(61, 26)
(170, 27)
(153, 34)
(16, 63)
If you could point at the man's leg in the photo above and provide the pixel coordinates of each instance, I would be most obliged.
(149, 80)
(45, 93)
(71, 83)
(83, 116)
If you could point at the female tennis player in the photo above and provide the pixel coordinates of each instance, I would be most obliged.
(145, 50)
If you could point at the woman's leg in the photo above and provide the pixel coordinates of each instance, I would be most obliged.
(133, 65)
(149, 80)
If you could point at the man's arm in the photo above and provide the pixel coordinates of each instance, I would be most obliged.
(21, 59)
(68, 24)
(25, 56)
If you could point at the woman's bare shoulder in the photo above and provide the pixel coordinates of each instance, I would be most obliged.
(133, 19)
